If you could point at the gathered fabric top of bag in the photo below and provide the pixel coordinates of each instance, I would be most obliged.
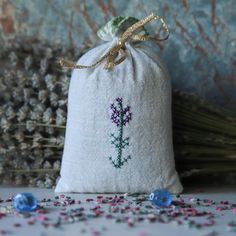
(122, 29)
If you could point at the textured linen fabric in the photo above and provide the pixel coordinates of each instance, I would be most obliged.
(143, 83)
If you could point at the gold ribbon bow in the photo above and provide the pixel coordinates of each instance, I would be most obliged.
(117, 53)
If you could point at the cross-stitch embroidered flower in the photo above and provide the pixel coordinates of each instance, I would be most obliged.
(120, 116)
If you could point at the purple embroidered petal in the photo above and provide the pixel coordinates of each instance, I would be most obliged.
(126, 109)
(119, 100)
(114, 119)
(114, 109)
(127, 118)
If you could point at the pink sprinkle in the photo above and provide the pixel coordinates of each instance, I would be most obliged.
(114, 209)
(98, 212)
(65, 218)
(224, 202)
(56, 203)
(174, 214)
(41, 211)
(142, 234)
(234, 210)
(45, 224)
(89, 200)
(2, 215)
(209, 223)
(95, 233)
(130, 222)
(31, 222)
(112, 204)
(151, 218)
(17, 225)
(179, 202)
(179, 222)
(95, 208)
(109, 216)
(221, 208)
(210, 215)
(209, 201)
(42, 218)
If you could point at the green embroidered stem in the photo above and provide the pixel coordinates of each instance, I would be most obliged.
(120, 134)
(120, 117)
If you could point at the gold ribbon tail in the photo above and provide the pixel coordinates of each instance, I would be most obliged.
(66, 64)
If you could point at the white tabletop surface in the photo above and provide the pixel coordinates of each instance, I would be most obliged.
(103, 226)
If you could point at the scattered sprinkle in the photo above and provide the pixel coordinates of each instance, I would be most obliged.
(129, 209)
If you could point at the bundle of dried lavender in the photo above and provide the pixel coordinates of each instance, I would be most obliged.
(33, 107)
(204, 137)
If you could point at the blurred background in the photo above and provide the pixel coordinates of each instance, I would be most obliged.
(200, 56)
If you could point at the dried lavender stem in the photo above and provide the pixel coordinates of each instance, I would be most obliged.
(44, 125)
(33, 170)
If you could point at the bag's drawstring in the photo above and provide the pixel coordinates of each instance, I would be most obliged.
(117, 53)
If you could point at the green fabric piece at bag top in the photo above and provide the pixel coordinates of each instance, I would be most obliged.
(117, 26)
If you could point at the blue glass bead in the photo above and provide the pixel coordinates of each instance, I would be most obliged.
(25, 202)
(160, 198)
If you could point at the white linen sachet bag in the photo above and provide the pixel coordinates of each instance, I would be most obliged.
(119, 127)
